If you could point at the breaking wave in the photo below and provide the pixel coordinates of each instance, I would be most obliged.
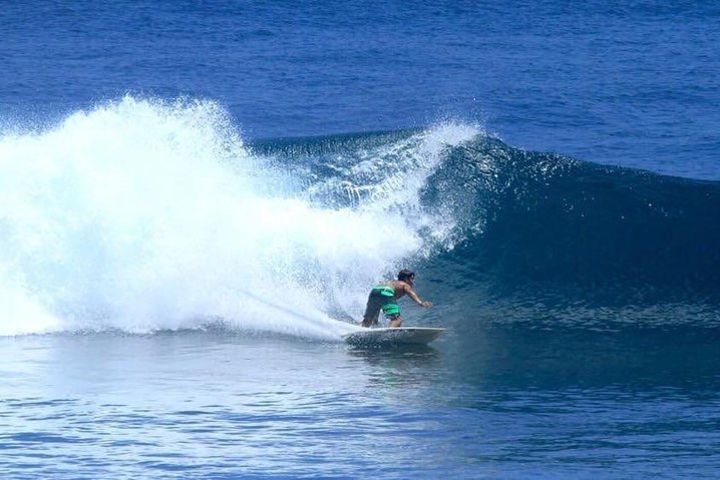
(143, 215)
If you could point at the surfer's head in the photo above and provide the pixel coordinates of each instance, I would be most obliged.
(407, 276)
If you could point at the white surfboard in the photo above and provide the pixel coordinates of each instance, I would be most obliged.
(393, 336)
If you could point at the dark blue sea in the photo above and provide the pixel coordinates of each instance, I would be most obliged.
(196, 196)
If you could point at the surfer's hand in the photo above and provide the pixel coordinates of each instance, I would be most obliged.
(426, 304)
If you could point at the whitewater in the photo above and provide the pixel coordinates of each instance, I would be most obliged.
(141, 215)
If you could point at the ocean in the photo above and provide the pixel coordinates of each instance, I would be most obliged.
(195, 198)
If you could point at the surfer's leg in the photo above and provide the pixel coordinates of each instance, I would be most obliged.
(392, 314)
(372, 310)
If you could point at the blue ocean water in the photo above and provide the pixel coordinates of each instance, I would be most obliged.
(622, 83)
(195, 197)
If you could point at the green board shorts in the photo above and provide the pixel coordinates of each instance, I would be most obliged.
(382, 297)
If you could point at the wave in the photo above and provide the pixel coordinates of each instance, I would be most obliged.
(142, 215)
(537, 237)
(551, 240)
(542, 219)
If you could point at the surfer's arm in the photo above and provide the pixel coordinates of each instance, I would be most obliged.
(411, 293)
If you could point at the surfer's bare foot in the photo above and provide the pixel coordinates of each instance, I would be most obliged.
(395, 323)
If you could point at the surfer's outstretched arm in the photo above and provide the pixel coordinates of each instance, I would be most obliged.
(411, 293)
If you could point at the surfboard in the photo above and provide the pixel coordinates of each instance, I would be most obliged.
(393, 336)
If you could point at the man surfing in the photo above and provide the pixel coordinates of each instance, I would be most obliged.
(384, 296)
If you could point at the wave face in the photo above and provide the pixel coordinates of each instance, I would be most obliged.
(142, 215)
(535, 237)
(551, 239)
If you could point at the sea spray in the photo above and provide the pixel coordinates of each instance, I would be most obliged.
(143, 215)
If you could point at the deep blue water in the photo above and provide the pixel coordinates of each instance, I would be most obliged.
(628, 83)
(195, 197)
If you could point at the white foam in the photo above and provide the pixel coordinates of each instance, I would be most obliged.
(143, 215)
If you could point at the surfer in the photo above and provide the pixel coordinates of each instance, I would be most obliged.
(384, 296)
